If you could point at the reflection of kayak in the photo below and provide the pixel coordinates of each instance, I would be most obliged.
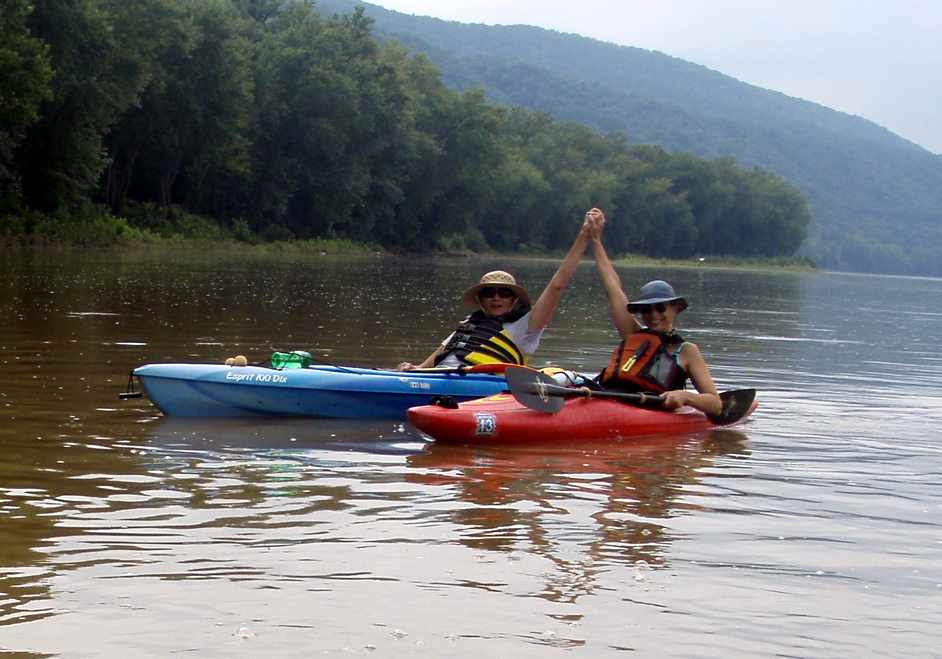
(500, 419)
(325, 391)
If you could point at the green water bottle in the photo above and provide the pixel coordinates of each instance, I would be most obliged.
(293, 359)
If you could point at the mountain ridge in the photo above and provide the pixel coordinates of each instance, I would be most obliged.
(875, 195)
(656, 56)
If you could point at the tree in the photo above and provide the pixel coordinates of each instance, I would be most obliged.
(102, 52)
(307, 108)
(25, 76)
(195, 117)
(149, 128)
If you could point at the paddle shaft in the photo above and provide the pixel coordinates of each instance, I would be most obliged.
(569, 392)
(736, 403)
(539, 392)
(476, 368)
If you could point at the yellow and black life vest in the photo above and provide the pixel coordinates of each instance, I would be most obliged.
(481, 339)
(645, 362)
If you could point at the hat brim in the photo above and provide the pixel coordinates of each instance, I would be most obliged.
(470, 298)
(637, 305)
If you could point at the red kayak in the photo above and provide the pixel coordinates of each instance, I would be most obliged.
(501, 419)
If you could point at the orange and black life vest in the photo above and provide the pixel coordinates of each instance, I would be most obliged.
(481, 339)
(645, 362)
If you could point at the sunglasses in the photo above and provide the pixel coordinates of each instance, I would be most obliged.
(492, 291)
(660, 307)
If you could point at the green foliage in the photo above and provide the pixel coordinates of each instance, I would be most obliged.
(267, 122)
(870, 189)
(196, 111)
(89, 225)
(19, 223)
(178, 223)
(102, 54)
(25, 75)
(242, 232)
(472, 240)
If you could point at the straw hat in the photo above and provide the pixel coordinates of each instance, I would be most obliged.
(654, 292)
(498, 279)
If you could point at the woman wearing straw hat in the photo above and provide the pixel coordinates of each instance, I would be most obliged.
(651, 357)
(504, 328)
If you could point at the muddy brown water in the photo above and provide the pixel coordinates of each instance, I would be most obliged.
(813, 530)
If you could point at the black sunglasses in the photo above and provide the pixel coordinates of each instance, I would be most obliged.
(491, 291)
(660, 307)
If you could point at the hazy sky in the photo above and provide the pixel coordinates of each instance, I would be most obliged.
(880, 59)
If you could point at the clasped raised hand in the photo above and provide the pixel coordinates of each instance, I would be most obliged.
(594, 222)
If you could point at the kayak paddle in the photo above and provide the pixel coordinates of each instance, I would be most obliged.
(541, 393)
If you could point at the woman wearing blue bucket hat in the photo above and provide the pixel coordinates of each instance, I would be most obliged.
(652, 357)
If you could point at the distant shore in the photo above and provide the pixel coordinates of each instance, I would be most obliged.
(793, 264)
(796, 264)
(132, 245)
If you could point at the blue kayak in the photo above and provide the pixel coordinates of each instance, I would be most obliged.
(316, 391)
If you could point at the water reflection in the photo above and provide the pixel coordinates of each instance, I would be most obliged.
(149, 505)
(611, 500)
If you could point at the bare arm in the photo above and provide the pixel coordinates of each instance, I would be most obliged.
(707, 400)
(428, 362)
(544, 308)
(625, 322)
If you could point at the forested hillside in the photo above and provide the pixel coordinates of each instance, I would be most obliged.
(265, 120)
(875, 197)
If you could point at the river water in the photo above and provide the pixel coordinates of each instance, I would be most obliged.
(814, 530)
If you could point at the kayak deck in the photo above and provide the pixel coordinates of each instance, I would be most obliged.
(200, 390)
(500, 419)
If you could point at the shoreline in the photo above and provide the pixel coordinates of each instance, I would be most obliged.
(343, 247)
(778, 264)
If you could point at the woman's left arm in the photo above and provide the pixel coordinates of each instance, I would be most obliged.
(544, 308)
(707, 399)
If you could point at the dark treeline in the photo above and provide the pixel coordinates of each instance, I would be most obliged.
(269, 121)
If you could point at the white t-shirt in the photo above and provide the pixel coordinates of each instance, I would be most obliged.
(519, 332)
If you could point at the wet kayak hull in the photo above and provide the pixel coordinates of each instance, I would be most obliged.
(206, 390)
(500, 419)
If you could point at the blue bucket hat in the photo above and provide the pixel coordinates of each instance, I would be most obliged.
(654, 292)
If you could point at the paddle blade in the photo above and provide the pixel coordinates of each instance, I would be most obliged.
(736, 405)
(529, 387)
